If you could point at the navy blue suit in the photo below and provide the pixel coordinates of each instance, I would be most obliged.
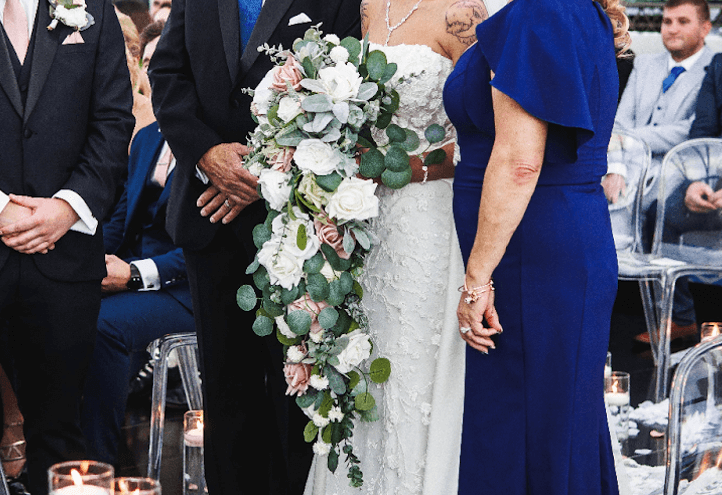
(130, 320)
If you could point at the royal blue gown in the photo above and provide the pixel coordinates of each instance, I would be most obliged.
(534, 417)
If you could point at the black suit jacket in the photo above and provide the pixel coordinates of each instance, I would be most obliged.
(708, 113)
(72, 133)
(198, 72)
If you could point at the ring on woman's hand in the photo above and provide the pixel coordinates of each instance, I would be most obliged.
(464, 329)
(228, 204)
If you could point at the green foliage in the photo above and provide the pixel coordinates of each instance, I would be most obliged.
(434, 133)
(335, 381)
(288, 296)
(376, 65)
(353, 46)
(395, 134)
(365, 401)
(396, 159)
(353, 378)
(261, 278)
(338, 264)
(317, 286)
(329, 182)
(261, 234)
(301, 237)
(299, 321)
(332, 460)
(246, 298)
(396, 180)
(310, 432)
(285, 340)
(327, 318)
(436, 157)
(388, 73)
(372, 163)
(380, 370)
(314, 264)
(263, 326)
(411, 142)
(272, 309)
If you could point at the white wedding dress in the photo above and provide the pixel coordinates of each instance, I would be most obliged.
(410, 296)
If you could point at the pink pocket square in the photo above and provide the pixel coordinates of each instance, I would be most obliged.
(74, 38)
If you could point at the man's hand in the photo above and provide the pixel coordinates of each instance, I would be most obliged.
(701, 198)
(614, 187)
(219, 206)
(50, 219)
(223, 164)
(12, 213)
(118, 274)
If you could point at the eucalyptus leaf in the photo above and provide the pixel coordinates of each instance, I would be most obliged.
(365, 139)
(341, 111)
(336, 295)
(395, 134)
(365, 402)
(376, 65)
(310, 432)
(349, 243)
(338, 264)
(326, 405)
(263, 326)
(396, 180)
(301, 237)
(434, 133)
(327, 318)
(326, 437)
(367, 91)
(317, 103)
(288, 296)
(261, 234)
(329, 182)
(342, 324)
(372, 163)
(272, 308)
(289, 138)
(261, 278)
(353, 379)
(253, 266)
(353, 46)
(388, 73)
(246, 298)
(286, 341)
(362, 238)
(384, 119)
(335, 381)
(305, 400)
(396, 159)
(332, 462)
(358, 290)
(412, 140)
(314, 264)
(272, 214)
(346, 281)
(369, 416)
(299, 321)
(436, 157)
(380, 370)
(317, 287)
(308, 67)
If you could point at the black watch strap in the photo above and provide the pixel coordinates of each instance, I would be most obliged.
(136, 281)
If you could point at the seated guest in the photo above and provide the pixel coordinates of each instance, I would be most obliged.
(658, 103)
(12, 443)
(708, 113)
(146, 290)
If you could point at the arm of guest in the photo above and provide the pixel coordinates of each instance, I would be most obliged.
(163, 271)
(709, 107)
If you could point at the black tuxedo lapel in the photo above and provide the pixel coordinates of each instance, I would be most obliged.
(8, 81)
(46, 43)
(231, 32)
(271, 14)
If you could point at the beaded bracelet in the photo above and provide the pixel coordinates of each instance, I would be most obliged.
(425, 168)
(475, 293)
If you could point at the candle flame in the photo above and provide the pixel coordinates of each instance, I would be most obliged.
(77, 478)
(84, 466)
(615, 386)
(718, 462)
(705, 464)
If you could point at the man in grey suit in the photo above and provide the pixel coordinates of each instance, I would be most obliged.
(658, 103)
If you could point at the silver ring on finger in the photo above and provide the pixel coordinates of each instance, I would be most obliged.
(464, 330)
(228, 204)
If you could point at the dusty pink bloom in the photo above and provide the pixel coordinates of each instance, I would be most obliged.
(297, 378)
(328, 233)
(288, 72)
(281, 161)
(314, 308)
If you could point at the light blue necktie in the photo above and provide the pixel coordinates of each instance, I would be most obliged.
(249, 11)
(669, 80)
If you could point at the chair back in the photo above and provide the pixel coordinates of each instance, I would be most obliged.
(626, 212)
(694, 431)
(679, 233)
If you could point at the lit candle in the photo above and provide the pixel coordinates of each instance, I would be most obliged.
(618, 399)
(194, 437)
(710, 330)
(80, 490)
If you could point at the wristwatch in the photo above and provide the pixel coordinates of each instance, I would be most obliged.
(136, 281)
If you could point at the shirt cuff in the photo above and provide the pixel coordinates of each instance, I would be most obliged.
(617, 168)
(4, 200)
(87, 224)
(149, 273)
(202, 176)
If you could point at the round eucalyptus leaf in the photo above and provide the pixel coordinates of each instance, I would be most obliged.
(299, 321)
(263, 326)
(365, 402)
(396, 180)
(384, 119)
(380, 370)
(436, 157)
(317, 287)
(388, 73)
(376, 65)
(434, 133)
(261, 234)
(411, 142)
(288, 296)
(396, 159)
(314, 264)
(261, 278)
(336, 294)
(395, 133)
(246, 298)
(327, 318)
(346, 282)
(372, 163)
(353, 46)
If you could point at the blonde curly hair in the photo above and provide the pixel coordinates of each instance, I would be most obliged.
(620, 23)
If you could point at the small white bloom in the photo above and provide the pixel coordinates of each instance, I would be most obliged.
(289, 108)
(284, 328)
(319, 420)
(354, 199)
(341, 82)
(339, 54)
(332, 38)
(319, 382)
(313, 155)
(316, 337)
(335, 414)
(358, 349)
(275, 187)
(283, 269)
(321, 448)
(283, 225)
(295, 354)
(312, 191)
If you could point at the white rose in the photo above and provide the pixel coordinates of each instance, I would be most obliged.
(312, 191)
(332, 38)
(284, 328)
(295, 354)
(275, 187)
(75, 18)
(358, 349)
(283, 226)
(354, 200)
(315, 156)
(321, 448)
(263, 94)
(283, 268)
(339, 54)
(335, 414)
(289, 108)
(341, 82)
(318, 382)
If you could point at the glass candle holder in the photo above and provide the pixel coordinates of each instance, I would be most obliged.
(608, 365)
(710, 330)
(616, 395)
(81, 478)
(194, 479)
(136, 486)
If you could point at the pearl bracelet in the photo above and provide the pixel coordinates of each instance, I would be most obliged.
(425, 168)
(475, 293)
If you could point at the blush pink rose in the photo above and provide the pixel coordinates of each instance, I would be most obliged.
(288, 72)
(281, 161)
(328, 233)
(314, 308)
(298, 376)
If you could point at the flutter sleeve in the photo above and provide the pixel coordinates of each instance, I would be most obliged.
(541, 58)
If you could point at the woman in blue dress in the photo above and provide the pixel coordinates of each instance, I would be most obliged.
(533, 103)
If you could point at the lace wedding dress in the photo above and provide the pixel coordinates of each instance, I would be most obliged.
(410, 295)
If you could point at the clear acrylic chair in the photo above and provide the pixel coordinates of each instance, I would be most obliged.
(673, 254)
(186, 346)
(694, 431)
(4, 490)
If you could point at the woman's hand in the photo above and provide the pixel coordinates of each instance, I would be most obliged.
(471, 316)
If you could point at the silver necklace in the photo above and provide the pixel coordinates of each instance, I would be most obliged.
(391, 28)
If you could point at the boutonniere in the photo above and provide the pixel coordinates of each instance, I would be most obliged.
(72, 13)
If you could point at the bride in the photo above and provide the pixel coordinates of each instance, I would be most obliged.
(412, 273)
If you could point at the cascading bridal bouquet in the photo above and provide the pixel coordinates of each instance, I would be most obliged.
(315, 109)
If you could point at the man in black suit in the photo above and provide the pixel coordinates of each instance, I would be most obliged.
(198, 71)
(65, 123)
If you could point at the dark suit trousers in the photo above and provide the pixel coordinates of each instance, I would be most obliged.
(251, 448)
(51, 329)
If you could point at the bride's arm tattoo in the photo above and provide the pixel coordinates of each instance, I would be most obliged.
(462, 18)
(365, 16)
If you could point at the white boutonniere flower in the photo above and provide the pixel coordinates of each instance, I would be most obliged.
(72, 13)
